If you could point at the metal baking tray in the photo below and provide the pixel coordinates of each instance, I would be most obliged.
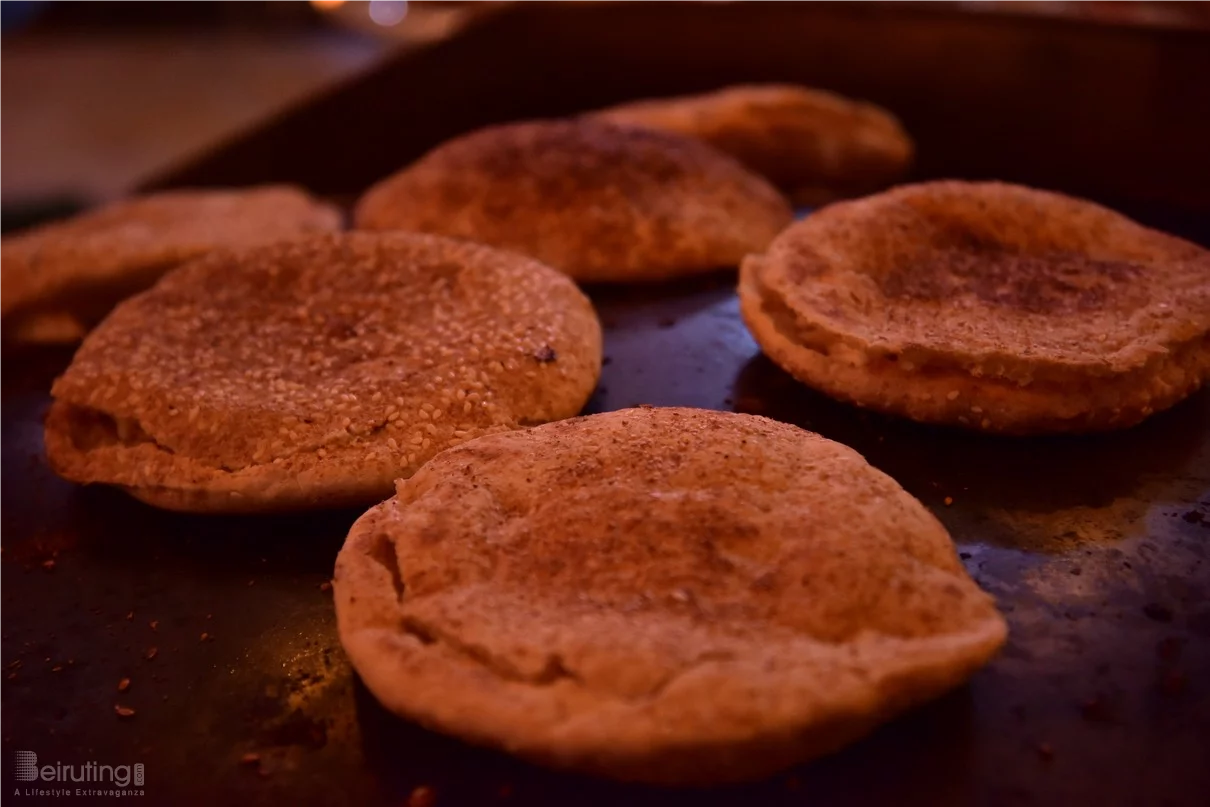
(1097, 548)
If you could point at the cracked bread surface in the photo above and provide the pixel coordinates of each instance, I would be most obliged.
(316, 372)
(62, 278)
(985, 305)
(674, 596)
(596, 201)
(813, 144)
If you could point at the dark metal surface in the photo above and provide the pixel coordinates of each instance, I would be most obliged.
(1095, 547)
(1109, 111)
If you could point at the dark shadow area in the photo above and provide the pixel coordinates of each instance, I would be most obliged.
(921, 759)
(663, 303)
(1037, 474)
(231, 545)
(1191, 225)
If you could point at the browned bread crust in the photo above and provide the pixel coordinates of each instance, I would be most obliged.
(986, 305)
(663, 595)
(813, 144)
(75, 271)
(316, 372)
(597, 201)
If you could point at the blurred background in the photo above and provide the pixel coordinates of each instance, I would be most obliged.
(99, 96)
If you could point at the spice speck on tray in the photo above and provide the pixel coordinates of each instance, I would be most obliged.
(1173, 682)
(1158, 612)
(423, 796)
(1096, 710)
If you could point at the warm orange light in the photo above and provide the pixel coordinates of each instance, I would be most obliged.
(327, 5)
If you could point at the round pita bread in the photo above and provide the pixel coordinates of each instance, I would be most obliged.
(985, 305)
(316, 372)
(664, 595)
(597, 201)
(60, 279)
(814, 145)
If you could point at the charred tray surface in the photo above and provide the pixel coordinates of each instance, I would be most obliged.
(1095, 547)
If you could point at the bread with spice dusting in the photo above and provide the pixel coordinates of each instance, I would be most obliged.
(316, 372)
(674, 596)
(813, 144)
(596, 201)
(60, 279)
(985, 305)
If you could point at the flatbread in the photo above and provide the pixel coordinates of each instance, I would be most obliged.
(314, 373)
(597, 201)
(985, 305)
(60, 279)
(812, 144)
(673, 596)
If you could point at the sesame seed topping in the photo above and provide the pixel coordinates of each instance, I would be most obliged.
(328, 345)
